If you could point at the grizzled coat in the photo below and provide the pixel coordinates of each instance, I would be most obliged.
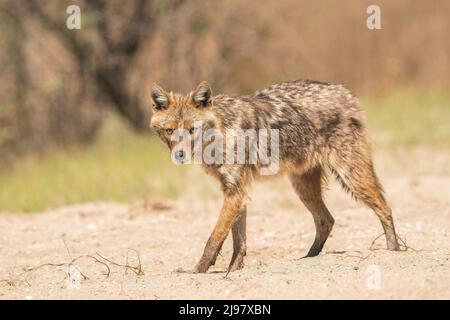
(321, 129)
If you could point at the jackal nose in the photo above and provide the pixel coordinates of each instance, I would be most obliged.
(180, 155)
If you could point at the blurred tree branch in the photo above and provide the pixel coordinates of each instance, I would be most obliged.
(106, 66)
(15, 49)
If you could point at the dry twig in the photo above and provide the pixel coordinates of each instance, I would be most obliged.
(136, 269)
(99, 259)
(403, 245)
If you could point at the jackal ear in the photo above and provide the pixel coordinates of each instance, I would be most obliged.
(159, 97)
(202, 95)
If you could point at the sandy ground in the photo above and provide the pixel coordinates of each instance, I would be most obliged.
(170, 235)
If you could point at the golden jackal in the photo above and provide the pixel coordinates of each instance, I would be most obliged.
(320, 129)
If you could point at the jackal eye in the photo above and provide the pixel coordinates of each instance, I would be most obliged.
(191, 130)
(169, 131)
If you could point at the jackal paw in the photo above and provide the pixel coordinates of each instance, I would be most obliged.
(236, 265)
(237, 261)
(315, 249)
(202, 266)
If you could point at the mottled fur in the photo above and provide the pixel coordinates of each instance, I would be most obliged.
(321, 130)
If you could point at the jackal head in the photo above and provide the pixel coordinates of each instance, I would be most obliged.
(179, 119)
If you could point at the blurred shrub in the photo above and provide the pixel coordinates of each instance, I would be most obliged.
(55, 84)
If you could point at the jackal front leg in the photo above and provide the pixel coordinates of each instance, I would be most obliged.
(239, 231)
(228, 215)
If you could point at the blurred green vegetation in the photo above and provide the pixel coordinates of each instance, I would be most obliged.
(409, 119)
(120, 166)
(125, 166)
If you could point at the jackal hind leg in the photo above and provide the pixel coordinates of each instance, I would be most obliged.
(357, 175)
(308, 187)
